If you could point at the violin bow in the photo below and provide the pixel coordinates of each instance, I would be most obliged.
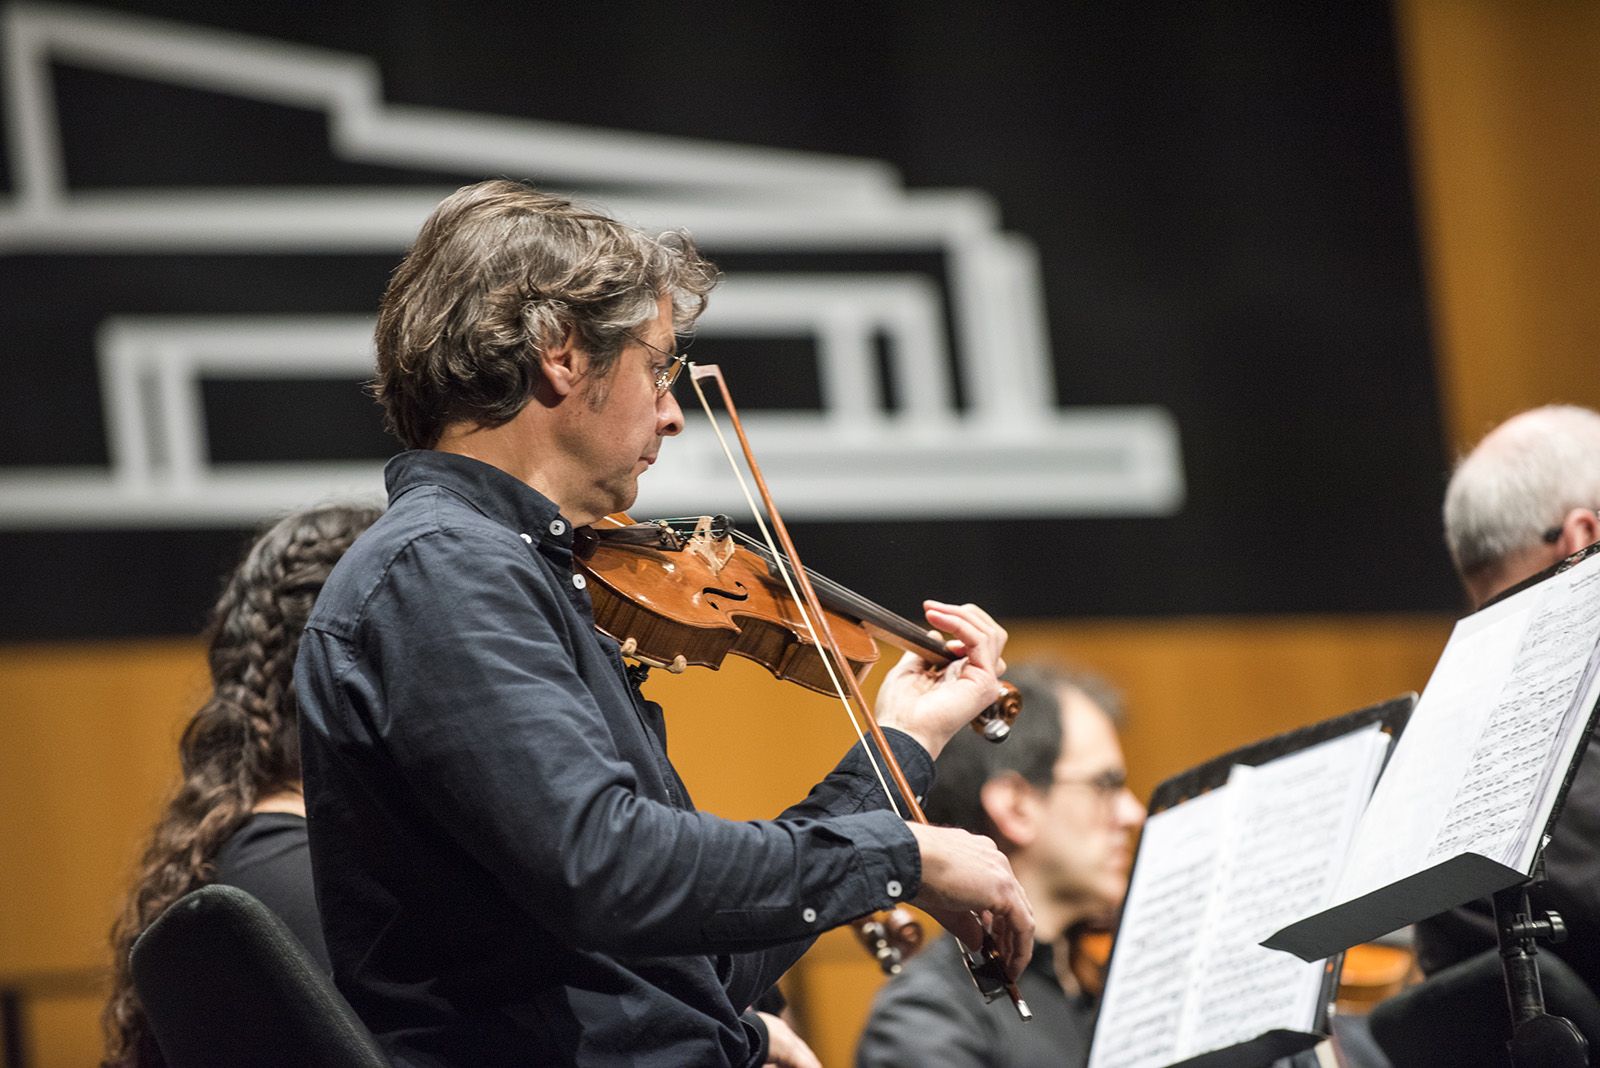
(983, 963)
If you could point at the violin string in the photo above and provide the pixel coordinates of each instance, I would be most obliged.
(862, 608)
(788, 581)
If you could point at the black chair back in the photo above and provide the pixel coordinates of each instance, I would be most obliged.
(226, 985)
(1459, 1018)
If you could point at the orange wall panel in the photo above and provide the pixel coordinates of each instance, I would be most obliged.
(1505, 115)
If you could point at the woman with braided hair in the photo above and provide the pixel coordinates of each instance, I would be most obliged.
(238, 816)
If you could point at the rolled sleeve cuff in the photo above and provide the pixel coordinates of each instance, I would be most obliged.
(891, 863)
(755, 1029)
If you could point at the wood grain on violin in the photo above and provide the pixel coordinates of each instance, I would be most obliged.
(681, 592)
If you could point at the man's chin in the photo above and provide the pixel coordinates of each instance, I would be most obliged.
(625, 497)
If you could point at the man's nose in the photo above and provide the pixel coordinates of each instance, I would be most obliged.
(1129, 812)
(669, 417)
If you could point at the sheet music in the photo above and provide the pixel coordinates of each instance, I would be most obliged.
(1161, 927)
(1216, 875)
(1501, 717)
(1295, 818)
(1490, 814)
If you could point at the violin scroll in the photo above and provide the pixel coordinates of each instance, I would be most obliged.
(892, 936)
(995, 722)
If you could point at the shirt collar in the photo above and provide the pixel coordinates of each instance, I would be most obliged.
(501, 497)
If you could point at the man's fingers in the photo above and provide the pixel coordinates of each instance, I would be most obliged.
(1013, 930)
(909, 662)
(965, 926)
(1017, 959)
(977, 633)
(977, 615)
(1013, 949)
(785, 1049)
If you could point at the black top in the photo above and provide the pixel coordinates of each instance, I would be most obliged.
(932, 1014)
(509, 869)
(1572, 873)
(267, 857)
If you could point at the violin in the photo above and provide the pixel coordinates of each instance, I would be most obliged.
(682, 592)
(691, 592)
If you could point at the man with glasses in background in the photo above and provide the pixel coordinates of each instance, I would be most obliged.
(1055, 799)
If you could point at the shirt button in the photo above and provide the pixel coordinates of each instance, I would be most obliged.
(809, 915)
(557, 527)
(894, 889)
(527, 538)
(579, 582)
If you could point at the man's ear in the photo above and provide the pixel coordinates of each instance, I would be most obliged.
(1579, 530)
(563, 364)
(1013, 806)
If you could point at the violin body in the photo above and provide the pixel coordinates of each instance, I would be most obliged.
(676, 593)
(697, 603)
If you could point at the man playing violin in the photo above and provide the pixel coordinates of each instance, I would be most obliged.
(509, 869)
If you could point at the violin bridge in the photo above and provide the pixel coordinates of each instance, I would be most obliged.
(710, 542)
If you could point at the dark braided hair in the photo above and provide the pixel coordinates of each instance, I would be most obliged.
(242, 745)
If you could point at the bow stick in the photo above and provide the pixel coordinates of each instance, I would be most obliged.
(983, 963)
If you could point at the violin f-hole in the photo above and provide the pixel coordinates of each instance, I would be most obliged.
(740, 594)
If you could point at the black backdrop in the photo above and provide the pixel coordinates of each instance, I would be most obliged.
(1219, 193)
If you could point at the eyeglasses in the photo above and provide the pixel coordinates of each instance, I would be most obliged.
(676, 361)
(1107, 786)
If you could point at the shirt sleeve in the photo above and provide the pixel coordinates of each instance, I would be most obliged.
(471, 687)
(852, 786)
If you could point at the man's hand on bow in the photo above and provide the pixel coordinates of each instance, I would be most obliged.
(968, 885)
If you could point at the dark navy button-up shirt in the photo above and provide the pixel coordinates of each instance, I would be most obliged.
(509, 870)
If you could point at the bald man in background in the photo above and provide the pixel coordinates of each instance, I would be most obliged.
(1525, 498)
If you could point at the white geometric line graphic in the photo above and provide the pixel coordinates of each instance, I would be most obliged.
(1010, 451)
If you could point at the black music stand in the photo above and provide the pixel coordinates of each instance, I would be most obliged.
(1539, 1039)
(1268, 1047)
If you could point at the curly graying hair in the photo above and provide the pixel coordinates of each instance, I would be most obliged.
(1522, 479)
(243, 743)
(499, 271)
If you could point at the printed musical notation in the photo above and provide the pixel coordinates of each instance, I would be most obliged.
(1472, 787)
(1162, 925)
(1296, 815)
(1483, 758)
(1491, 813)
(1215, 875)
